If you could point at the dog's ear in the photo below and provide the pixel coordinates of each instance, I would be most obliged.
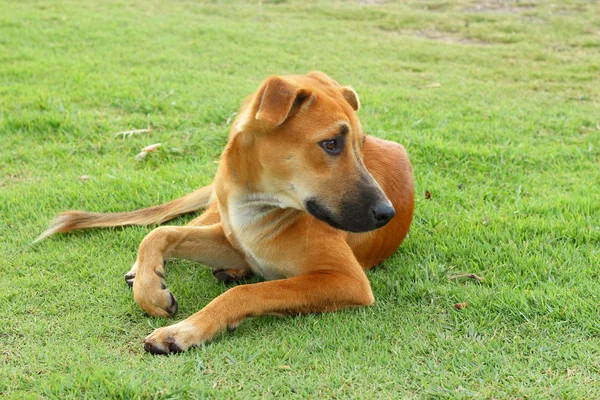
(351, 97)
(278, 100)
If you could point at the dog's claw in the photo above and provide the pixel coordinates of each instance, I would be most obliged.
(174, 307)
(129, 277)
(173, 347)
(162, 347)
(150, 348)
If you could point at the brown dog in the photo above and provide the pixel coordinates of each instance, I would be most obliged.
(302, 197)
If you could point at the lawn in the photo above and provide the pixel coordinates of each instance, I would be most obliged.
(497, 103)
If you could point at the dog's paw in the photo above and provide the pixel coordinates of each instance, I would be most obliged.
(173, 339)
(197, 329)
(229, 276)
(152, 295)
(160, 303)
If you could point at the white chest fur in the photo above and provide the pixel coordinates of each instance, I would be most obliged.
(256, 220)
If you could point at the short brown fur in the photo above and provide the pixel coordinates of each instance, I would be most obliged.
(274, 177)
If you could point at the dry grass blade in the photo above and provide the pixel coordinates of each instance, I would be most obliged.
(471, 276)
(133, 132)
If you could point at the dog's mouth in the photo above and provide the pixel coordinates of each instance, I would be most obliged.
(354, 217)
(319, 212)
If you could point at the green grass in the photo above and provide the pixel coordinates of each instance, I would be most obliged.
(496, 102)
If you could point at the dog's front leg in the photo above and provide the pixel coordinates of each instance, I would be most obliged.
(319, 291)
(205, 244)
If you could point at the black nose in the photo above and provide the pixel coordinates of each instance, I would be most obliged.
(384, 213)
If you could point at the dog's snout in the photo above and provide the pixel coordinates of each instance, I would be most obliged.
(384, 213)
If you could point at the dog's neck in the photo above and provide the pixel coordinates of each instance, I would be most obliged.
(256, 217)
(256, 205)
(241, 182)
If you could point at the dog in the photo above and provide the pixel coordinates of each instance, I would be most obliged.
(302, 197)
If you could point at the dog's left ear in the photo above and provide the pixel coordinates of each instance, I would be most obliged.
(279, 100)
(351, 97)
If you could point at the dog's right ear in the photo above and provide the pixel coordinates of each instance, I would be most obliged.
(277, 100)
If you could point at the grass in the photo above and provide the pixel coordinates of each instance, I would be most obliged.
(496, 102)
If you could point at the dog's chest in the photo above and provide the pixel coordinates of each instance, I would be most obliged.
(262, 267)
(256, 228)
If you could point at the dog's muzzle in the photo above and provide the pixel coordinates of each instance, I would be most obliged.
(356, 218)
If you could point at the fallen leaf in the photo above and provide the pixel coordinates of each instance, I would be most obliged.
(460, 306)
(84, 178)
(146, 150)
(151, 148)
(427, 194)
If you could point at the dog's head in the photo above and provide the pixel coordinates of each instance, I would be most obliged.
(306, 143)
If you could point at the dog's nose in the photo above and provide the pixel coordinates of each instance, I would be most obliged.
(384, 213)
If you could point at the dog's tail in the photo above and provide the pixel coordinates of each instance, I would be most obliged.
(72, 220)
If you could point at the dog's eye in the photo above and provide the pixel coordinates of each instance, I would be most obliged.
(331, 146)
